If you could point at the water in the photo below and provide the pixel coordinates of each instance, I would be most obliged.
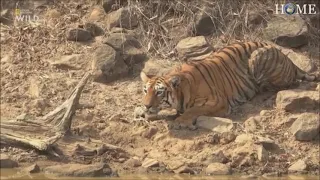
(14, 174)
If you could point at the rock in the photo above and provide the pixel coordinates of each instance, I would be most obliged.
(184, 170)
(94, 29)
(139, 112)
(250, 124)
(270, 175)
(212, 138)
(215, 124)
(297, 100)
(68, 62)
(153, 68)
(109, 62)
(6, 162)
(300, 60)
(244, 138)
(256, 18)
(79, 34)
(53, 13)
(129, 47)
(151, 131)
(122, 42)
(298, 166)
(265, 113)
(203, 22)
(148, 162)
(306, 127)
(108, 5)
(193, 48)
(133, 162)
(217, 157)
(34, 88)
(32, 169)
(227, 137)
(218, 169)
(96, 14)
(292, 32)
(6, 16)
(122, 17)
(79, 170)
(251, 176)
(262, 154)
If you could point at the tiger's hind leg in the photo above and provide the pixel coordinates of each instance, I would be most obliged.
(272, 70)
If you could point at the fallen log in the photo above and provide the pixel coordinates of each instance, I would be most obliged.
(51, 130)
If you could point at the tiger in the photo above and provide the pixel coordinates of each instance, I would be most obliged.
(223, 80)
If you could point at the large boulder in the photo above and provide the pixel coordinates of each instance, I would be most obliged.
(306, 127)
(122, 17)
(108, 64)
(193, 48)
(300, 60)
(296, 100)
(288, 31)
(128, 46)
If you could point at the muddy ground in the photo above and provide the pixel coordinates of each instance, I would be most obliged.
(31, 85)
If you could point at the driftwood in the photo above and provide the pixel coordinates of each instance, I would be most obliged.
(51, 130)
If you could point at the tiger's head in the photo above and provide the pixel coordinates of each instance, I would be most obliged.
(160, 90)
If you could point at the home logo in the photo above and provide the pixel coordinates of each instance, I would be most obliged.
(291, 8)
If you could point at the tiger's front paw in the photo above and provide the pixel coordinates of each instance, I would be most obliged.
(181, 123)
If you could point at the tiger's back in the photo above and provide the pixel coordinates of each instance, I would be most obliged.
(227, 78)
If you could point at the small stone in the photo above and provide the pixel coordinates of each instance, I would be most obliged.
(215, 124)
(151, 131)
(265, 113)
(262, 154)
(217, 157)
(251, 176)
(6, 162)
(193, 48)
(298, 166)
(79, 170)
(79, 34)
(227, 137)
(32, 169)
(244, 138)
(270, 175)
(94, 29)
(96, 14)
(150, 163)
(68, 62)
(139, 112)
(218, 169)
(251, 124)
(306, 127)
(133, 162)
(184, 170)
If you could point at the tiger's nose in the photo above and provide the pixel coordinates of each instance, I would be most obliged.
(148, 106)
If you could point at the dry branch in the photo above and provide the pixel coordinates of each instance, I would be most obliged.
(43, 132)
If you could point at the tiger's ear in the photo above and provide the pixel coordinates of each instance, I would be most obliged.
(175, 81)
(144, 77)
